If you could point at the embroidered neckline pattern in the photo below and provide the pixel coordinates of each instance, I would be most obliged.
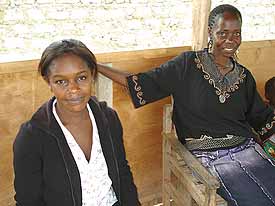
(224, 85)
(267, 127)
(138, 90)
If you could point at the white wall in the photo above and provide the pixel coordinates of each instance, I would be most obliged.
(258, 18)
(28, 26)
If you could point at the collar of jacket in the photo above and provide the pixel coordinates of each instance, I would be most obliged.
(45, 120)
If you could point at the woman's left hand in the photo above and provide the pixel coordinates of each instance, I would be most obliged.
(269, 147)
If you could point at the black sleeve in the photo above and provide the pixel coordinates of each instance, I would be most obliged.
(157, 83)
(27, 168)
(260, 116)
(128, 190)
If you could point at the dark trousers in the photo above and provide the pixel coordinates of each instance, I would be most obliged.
(116, 204)
(246, 175)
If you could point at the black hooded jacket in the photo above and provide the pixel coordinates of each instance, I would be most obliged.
(46, 173)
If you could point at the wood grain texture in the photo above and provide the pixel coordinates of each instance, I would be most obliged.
(17, 91)
(200, 13)
(258, 57)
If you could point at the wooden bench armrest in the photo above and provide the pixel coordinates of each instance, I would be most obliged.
(210, 181)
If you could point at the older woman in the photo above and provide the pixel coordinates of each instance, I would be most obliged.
(71, 153)
(216, 110)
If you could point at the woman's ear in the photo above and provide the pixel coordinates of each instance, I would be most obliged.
(46, 79)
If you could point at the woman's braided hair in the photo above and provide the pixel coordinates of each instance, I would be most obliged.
(218, 12)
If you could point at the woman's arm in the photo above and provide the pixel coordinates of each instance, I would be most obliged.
(152, 85)
(269, 147)
(114, 74)
(259, 115)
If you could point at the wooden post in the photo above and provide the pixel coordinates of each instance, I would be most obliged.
(201, 9)
(104, 89)
(166, 178)
(166, 151)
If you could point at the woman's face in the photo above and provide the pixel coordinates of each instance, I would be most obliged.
(70, 80)
(226, 35)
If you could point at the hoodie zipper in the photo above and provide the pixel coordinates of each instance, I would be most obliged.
(116, 168)
(66, 166)
(67, 171)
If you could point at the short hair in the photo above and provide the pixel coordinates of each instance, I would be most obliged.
(269, 88)
(219, 11)
(66, 46)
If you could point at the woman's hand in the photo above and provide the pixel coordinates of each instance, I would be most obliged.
(269, 147)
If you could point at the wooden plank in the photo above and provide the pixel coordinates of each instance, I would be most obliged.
(140, 54)
(259, 60)
(197, 195)
(219, 200)
(193, 163)
(178, 199)
(20, 66)
(16, 105)
(166, 174)
(200, 14)
(167, 118)
(257, 44)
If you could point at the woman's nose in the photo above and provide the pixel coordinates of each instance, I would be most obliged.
(73, 86)
(229, 38)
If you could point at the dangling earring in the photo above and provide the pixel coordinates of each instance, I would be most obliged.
(210, 45)
(236, 55)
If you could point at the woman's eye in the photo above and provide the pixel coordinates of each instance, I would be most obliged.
(60, 82)
(81, 78)
(237, 34)
(222, 33)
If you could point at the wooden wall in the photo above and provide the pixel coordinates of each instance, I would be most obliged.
(259, 58)
(22, 91)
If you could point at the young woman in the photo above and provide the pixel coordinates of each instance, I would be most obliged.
(216, 109)
(71, 153)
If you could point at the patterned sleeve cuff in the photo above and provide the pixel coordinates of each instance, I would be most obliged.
(267, 130)
(135, 90)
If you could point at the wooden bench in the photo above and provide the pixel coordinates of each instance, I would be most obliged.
(185, 181)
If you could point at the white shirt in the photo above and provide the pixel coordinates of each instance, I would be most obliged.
(96, 185)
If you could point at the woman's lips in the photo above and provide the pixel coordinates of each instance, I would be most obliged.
(77, 100)
(229, 49)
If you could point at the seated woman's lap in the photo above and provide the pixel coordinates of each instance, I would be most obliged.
(247, 177)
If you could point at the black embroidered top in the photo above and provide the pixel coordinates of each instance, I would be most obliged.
(205, 102)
